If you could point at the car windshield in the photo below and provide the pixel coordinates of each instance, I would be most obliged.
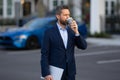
(37, 23)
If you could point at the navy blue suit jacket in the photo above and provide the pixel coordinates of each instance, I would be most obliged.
(54, 53)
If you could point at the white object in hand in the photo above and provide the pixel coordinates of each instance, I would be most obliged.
(56, 72)
(69, 20)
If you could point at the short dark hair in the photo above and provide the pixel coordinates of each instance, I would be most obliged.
(59, 8)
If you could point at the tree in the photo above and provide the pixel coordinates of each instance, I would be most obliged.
(41, 8)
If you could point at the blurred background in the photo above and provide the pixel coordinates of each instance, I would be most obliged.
(100, 16)
(101, 59)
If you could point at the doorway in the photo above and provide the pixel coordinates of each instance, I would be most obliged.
(26, 8)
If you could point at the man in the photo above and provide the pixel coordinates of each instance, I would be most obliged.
(58, 46)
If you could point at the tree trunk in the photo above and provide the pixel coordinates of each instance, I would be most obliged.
(41, 8)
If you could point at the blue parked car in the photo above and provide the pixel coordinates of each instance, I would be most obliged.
(30, 35)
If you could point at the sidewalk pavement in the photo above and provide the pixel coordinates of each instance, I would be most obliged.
(113, 41)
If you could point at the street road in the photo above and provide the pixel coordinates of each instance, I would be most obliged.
(94, 63)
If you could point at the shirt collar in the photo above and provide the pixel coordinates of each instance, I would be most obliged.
(60, 28)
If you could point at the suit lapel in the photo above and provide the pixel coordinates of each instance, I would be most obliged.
(57, 32)
(68, 42)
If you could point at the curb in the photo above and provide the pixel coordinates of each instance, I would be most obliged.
(104, 41)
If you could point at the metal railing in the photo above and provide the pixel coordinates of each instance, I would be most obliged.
(113, 24)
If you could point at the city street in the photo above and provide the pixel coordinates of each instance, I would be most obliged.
(24, 22)
(97, 62)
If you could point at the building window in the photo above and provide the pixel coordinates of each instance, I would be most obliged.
(62, 2)
(112, 7)
(9, 7)
(106, 4)
(106, 7)
(112, 4)
(55, 3)
(106, 12)
(1, 7)
(112, 12)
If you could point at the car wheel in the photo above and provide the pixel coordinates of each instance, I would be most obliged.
(32, 43)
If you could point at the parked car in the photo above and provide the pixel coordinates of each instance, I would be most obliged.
(30, 35)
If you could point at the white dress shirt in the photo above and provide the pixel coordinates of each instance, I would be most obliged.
(64, 34)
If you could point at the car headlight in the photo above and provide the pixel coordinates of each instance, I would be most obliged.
(21, 37)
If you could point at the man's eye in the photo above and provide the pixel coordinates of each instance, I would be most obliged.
(66, 15)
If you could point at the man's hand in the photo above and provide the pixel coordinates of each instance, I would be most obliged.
(49, 77)
(74, 27)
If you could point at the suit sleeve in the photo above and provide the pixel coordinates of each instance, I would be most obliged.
(45, 55)
(80, 42)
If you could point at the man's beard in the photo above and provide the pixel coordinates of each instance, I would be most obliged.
(63, 22)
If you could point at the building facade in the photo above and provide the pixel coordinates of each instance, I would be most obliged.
(74, 4)
(105, 16)
(112, 7)
(52, 4)
(15, 8)
(20, 8)
(112, 10)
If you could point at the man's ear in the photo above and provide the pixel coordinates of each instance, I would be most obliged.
(57, 16)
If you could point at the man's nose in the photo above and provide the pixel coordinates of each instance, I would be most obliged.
(68, 17)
